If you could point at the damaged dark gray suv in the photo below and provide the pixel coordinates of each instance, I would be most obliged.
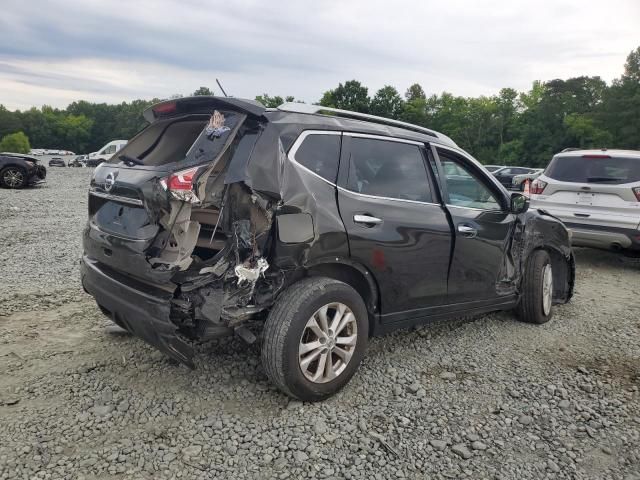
(310, 228)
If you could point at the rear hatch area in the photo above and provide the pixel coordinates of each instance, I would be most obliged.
(592, 189)
(158, 254)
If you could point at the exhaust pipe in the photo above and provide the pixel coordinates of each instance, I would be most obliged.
(616, 247)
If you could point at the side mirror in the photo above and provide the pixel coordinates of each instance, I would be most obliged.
(519, 203)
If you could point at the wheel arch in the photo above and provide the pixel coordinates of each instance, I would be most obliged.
(7, 166)
(356, 276)
(563, 268)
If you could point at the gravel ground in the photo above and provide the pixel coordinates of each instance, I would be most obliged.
(490, 398)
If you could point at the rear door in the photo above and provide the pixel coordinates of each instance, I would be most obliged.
(592, 189)
(395, 224)
(482, 227)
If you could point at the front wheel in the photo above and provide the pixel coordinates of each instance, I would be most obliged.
(13, 177)
(536, 298)
(314, 338)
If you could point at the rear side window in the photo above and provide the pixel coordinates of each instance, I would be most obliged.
(388, 169)
(592, 169)
(320, 153)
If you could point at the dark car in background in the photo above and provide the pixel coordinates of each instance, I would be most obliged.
(505, 175)
(310, 231)
(57, 162)
(19, 171)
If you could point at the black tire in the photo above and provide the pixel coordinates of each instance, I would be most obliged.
(15, 171)
(530, 308)
(286, 324)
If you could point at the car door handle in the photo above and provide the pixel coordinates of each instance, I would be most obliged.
(367, 220)
(467, 230)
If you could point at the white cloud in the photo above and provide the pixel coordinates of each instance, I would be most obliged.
(114, 51)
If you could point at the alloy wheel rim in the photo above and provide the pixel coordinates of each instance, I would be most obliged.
(547, 289)
(327, 343)
(13, 178)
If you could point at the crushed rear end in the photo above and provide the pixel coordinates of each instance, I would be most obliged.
(174, 247)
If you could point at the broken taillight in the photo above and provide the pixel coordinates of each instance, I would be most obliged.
(537, 187)
(636, 191)
(180, 184)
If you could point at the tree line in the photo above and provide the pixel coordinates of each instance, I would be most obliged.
(524, 128)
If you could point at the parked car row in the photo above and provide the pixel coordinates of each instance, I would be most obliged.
(22, 170)
(46, 151)
(78, 161)
(514, 178)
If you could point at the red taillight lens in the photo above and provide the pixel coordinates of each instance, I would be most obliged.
(180, 184)
(636, 191)
(182, 180)
(537, 187)
(164, 108)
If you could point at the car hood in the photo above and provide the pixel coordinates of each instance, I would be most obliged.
(17, 155)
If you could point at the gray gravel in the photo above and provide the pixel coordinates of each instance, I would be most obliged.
(490, 398)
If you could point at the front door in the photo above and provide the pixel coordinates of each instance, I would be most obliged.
(395, 226)
(482, 224)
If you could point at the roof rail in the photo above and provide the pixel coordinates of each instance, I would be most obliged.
(295, 107)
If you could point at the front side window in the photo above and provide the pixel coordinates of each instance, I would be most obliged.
(320, 153)
(110, 149)
(464, 186)
(388, 169)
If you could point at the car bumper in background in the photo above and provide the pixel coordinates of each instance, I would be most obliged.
(144, 314)
(604, 237)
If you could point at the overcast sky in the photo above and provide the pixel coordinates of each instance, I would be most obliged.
(57, 51)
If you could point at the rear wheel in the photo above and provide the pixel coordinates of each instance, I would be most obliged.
(13, 177)
(314, 338)
(536, 299)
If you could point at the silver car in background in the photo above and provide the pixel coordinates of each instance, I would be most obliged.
(596, 193)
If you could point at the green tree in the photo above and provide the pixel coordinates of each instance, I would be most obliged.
(414, 92)
(9, 121)
(387, 102)
(202, 91)
(15, 142)
(350, 96)
(582, 131)
(273, 102)
(619, 113)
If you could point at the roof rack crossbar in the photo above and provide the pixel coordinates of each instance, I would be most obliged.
(294, 107)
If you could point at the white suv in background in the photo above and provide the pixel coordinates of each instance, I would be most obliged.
(596, 193)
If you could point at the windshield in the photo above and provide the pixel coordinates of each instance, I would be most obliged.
(609, 170)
